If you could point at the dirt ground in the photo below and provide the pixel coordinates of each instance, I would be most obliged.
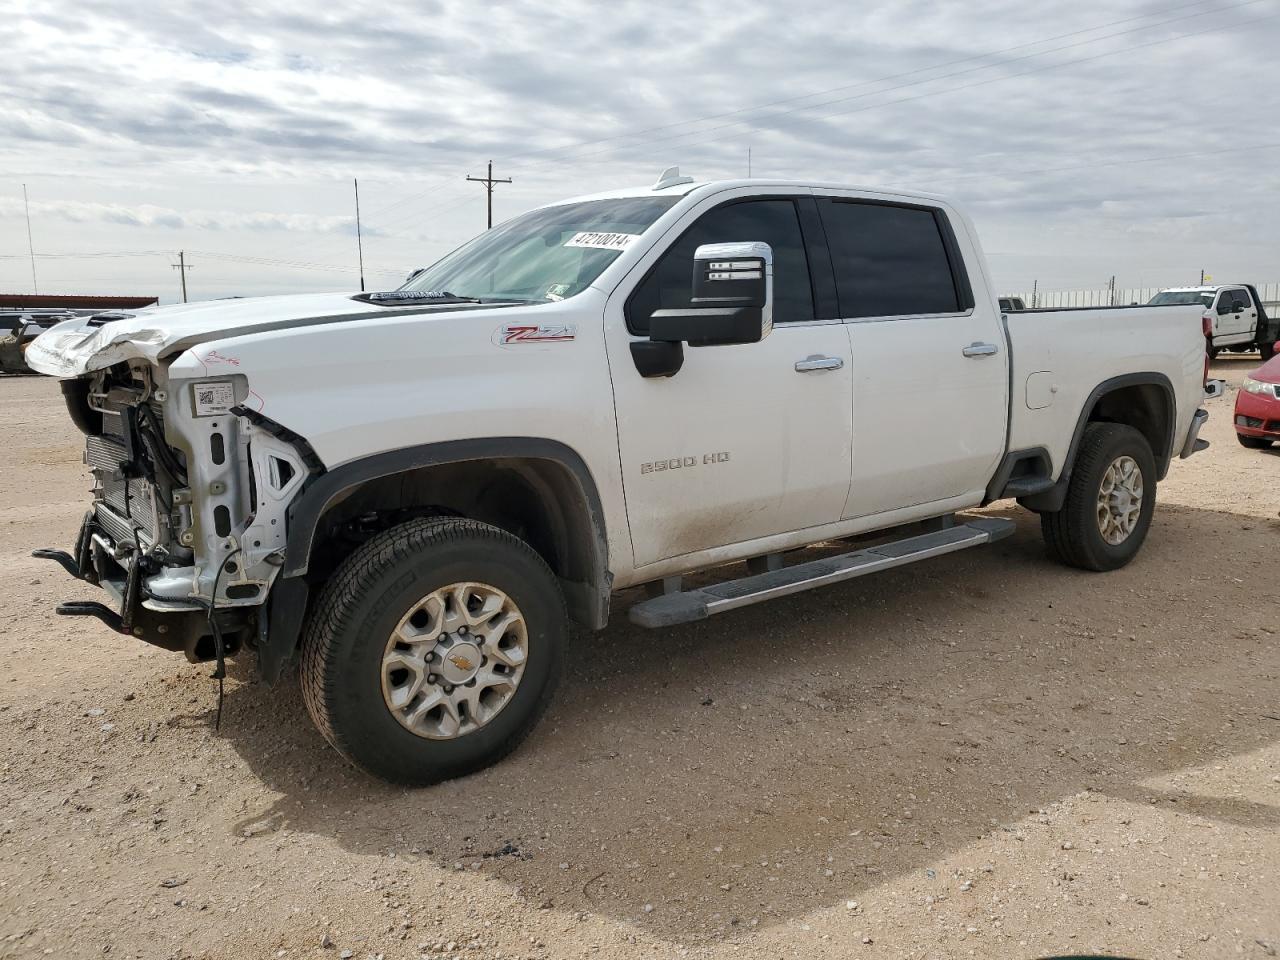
(983, 755)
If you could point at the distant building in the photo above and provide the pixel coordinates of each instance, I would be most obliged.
(33, 301)
(24, 316)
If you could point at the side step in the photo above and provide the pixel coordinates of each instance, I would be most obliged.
(691, 605)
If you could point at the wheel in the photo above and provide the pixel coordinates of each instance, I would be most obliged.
(1253, 443)
(1110, 499)
(433, 650)
(1267, 350)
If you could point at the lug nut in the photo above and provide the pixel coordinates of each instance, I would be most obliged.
(432, 678)
(448, 688)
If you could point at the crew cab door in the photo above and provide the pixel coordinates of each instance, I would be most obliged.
(930, 365)
(1236, 316)
(744, 441)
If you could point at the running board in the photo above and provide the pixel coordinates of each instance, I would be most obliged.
(691, 605)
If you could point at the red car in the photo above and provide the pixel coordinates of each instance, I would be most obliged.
(1258, 406)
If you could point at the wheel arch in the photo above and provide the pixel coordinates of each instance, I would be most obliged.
(1145, 401)
(539, 489)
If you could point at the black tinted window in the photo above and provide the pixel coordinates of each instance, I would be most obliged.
(888, 260)
(669, 285)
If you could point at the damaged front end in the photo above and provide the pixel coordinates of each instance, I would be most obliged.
(187, 528)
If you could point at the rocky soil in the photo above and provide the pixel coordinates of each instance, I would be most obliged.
(984, 755)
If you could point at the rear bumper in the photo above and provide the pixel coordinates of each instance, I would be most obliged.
(1193, 443)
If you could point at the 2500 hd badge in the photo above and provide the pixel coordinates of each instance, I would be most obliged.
(681, 463)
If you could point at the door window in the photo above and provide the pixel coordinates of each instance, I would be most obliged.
(669, 284)
(889, 260)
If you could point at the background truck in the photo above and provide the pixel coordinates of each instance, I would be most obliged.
(412, 494)
(1234, 317)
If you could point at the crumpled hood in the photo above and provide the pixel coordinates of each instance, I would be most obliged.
(79, 346)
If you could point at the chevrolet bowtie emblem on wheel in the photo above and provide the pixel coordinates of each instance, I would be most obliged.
(461, 662)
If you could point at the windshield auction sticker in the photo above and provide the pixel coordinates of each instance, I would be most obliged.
(602, 241)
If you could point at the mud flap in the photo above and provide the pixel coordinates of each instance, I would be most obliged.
(279, 630)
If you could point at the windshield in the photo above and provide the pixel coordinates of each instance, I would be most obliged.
(547, 254)
(1204, 298)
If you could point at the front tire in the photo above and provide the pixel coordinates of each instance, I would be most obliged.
(1110, 499)
(1266, 351)
(433, 650)
(1253, 443)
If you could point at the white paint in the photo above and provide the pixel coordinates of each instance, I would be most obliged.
(906, 429)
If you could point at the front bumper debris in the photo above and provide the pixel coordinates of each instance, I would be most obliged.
(180, 628)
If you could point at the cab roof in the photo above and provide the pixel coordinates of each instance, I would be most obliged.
(671, 184)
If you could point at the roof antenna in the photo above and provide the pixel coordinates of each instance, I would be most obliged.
(670, 177)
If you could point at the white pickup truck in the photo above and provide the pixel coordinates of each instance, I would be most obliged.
(412, 494)
(1234, 317)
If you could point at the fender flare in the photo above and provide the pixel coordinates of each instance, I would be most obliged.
(280, 629)
(1053, 498)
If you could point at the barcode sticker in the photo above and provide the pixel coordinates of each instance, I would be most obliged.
(214, 399)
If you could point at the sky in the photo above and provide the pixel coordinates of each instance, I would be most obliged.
(1087, 139)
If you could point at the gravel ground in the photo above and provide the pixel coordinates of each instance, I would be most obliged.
(983, 755)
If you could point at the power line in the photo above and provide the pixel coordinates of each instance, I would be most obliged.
(895, 76)
(561, 153)
(1113, 163)
(788, 116)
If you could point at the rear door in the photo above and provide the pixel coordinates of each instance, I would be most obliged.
(931, 369)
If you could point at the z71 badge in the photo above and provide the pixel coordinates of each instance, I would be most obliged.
(537, 333)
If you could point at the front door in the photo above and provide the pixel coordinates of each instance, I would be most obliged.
(745, 441)
(1236, 316)
(931, 369)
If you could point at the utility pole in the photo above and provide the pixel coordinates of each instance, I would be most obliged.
(748, 163)
(182, 267)
(1111, 291)
(359, 241)
(1202, 276)
(488, 182)
(30, 247)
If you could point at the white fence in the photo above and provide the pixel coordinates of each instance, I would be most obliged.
(1122, 296)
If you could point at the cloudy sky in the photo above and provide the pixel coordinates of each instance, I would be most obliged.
(1088, 138)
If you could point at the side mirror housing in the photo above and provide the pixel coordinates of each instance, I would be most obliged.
(732, 298)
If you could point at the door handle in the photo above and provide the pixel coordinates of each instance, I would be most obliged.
(816, 362)
(978, 349)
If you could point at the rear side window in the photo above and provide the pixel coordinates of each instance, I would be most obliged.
(669, 284)
(889, 260)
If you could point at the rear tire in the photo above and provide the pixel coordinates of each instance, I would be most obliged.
(1112, 462)
(1267, 351)
(1253, 443)
(433, 650)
